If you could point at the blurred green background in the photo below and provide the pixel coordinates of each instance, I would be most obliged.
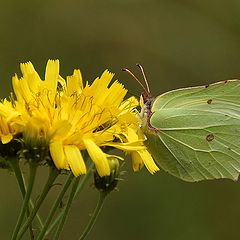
(180, 43)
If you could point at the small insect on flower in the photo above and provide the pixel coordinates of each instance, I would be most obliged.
(193, 133)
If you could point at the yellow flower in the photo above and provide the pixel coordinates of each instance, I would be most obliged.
(69, 118)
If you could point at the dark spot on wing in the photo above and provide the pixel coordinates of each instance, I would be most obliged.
(209, 101)
(210, 137)
(206, 86)
(225, 81)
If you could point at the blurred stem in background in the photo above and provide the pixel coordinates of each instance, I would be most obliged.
(86, 231)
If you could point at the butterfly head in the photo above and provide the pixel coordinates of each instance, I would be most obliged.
(146, 98)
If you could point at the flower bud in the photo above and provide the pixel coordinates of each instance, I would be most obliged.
(108, 183)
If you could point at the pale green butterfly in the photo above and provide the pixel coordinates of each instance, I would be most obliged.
(194, 133)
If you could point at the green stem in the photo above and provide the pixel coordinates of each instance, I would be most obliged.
(53, 173)
(55, 206)
(67, 208)
(83, 181)
(94, 216)
(32, 207)
(32, 169)
(14, 162)
(55, 222)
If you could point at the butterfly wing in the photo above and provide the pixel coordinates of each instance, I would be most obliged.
(198, 133)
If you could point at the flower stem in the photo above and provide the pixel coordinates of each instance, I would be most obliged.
(32, 207)
(53, 173)
(55, 206)
(84, 179)
(14, 163)
(32, 169)
(102, 197)
(67, 208)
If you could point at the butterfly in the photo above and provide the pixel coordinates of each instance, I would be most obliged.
(193, 133)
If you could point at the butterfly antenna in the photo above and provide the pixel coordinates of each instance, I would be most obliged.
(144, 77)
(136, 79)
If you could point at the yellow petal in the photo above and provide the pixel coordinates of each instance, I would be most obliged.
(100, 87)
(105, 79)
(30, 76)
(75, 160)
(98, 157)
(131, 135)
(147, 159)
(129, 104)
(6, 138)
(52, 75)
(8, 113)
(57, 154)
(27, 68)
(116, 94)
(21, 89)
(61, 128)
(74, 83)
(16, 87)
(135, 146)
(137, 162)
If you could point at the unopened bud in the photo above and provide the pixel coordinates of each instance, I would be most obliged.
(108, 183)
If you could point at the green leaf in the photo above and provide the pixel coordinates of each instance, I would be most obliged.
(198, 131)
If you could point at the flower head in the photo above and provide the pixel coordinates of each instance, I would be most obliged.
(69, 117)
